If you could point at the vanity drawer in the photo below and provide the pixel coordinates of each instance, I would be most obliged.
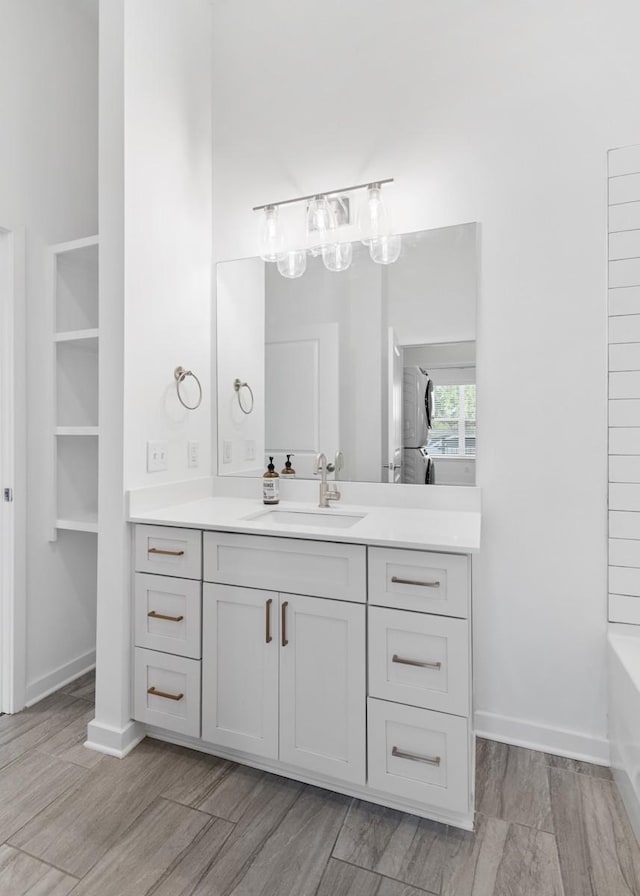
(419, 659)
(420, 755)
(168, 614)
(169, 552)
(419, 580)
(167, 691)
(295, 566)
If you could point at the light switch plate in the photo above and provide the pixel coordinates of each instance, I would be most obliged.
(193, 454)
(157, 456)
(249, 449)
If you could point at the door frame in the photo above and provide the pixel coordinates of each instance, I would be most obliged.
(12, 471)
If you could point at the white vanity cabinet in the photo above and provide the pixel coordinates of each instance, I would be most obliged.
(167, 597)
(344, 665)
(420, 661)
(283, 676)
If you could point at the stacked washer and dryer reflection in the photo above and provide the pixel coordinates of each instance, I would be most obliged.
(417, 399)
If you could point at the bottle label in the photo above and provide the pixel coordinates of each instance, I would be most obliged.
(270, 490)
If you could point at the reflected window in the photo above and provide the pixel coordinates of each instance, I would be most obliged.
(453, 431)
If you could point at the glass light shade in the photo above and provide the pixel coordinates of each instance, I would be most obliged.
(321, 221)
(271, 236)
(293, 264)
(385, 249)
(374, 221)
(337, 256)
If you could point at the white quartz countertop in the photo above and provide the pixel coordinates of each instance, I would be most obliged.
(438, 530)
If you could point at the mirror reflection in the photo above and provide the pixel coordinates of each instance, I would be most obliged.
(373, 366)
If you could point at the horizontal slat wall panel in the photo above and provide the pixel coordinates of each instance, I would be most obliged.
(623, 608)
(624, 412)
(625, 188)
(624, 469)
(625, 328)
(623, 524)
(624, 300)
(624, 496)
(624, 440)
(624, 273)
(624, 356)
(624, 385)
(624, 580)
(624, 160)
(624, 552)
(624, 245)
(624, 217)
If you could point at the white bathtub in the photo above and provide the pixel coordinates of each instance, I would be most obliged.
(624, 716)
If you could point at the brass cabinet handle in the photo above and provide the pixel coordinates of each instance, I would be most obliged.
(415, 757)
(423, 665)
(157, 693)
(414, 582)
(166, 553)
(285, 604)
(267, 622)
(153, 615)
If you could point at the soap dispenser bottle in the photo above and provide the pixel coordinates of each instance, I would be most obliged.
(287, 471)
(270, 485)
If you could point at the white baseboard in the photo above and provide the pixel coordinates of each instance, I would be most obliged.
(53, 681)
(114, 741)
(540, 737)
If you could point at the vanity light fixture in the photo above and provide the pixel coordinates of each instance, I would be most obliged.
(325, 214)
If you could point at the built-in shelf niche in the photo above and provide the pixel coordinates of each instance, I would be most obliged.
(76, 286)
(77, 383)
(75, 346)
(77, 483)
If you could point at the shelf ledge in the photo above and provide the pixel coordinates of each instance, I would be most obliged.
(76, 335)
(78, 525)
(77, 431)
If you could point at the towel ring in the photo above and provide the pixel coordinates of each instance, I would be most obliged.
(237, 385)
(180, 375)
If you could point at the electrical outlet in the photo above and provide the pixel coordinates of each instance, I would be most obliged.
(249, 449)
(157, 456)
(193, 454)
(227, 452)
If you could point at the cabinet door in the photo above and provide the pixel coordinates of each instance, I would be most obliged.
(322, 686)
(240, 669)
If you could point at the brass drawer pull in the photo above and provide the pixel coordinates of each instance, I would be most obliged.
(414, 582)
(156, 693)
(423, 665)
(267, 622)
(153, 615)
(415, 757)
(166, 553)
(285, 604)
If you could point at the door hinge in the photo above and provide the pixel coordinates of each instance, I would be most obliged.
(8, 494)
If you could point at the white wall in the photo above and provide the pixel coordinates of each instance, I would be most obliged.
(48, 185)
(155, 282)
(168, 233)
(499, 113)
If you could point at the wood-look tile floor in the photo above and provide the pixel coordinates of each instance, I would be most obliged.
(173, 822)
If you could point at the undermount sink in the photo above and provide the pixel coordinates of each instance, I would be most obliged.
(325, 519)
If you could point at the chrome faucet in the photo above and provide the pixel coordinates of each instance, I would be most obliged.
(327, 492)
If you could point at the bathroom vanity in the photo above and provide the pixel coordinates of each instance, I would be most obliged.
(333, 647)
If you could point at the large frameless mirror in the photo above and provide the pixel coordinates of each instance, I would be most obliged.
(374, 366)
